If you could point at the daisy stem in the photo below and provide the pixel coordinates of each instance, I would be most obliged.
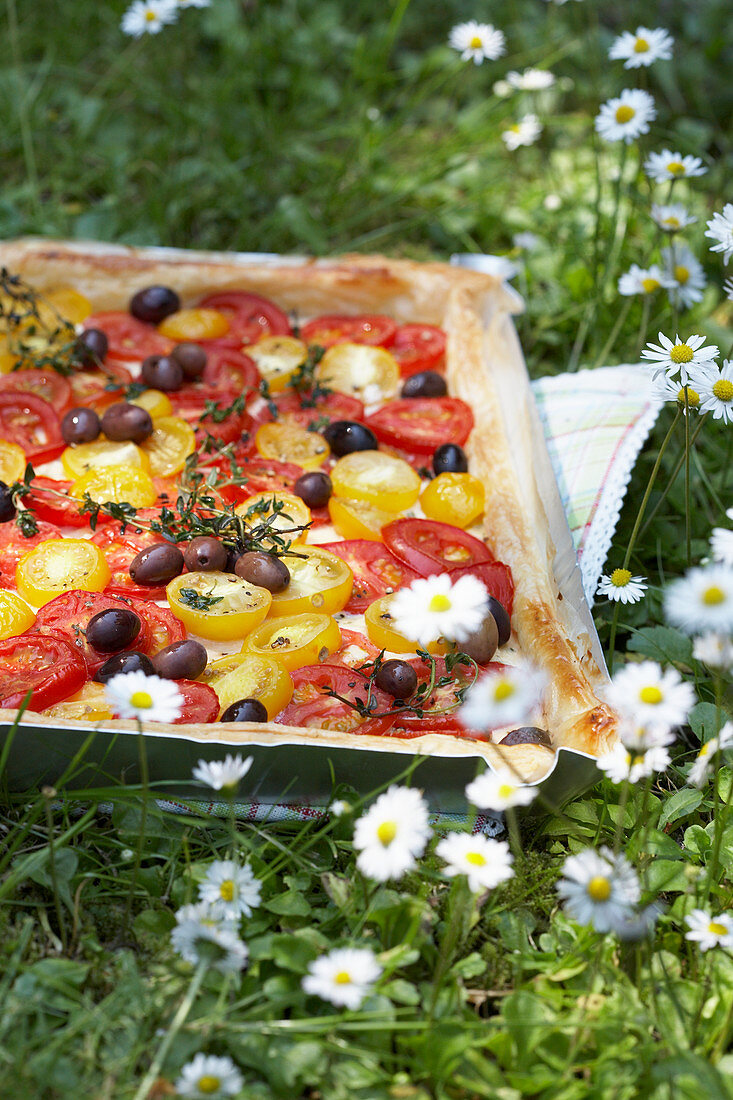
(144, 781)
(176, 1024)
(720, 809)
(618, 325)
(612, 636)
(688, 533)
(673, 477)
(645, 309)
(512, 825)
(647, 491)
(457, 921)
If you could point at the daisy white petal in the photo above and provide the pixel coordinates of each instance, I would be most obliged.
(716, 395)
(148, 17)
(527, 241)
(643, 48)
(344, 976)
(720, 230)
(531, 80)
(702, 600)
(686, 276)
(714, 650)
(599, 888)
(232, 891)
(622, 766)
(620, 586)
(499, 790)
(728, 288)
(484, 861)
(705, 759)
(640, 280)
(708, 930)
(671, 217)
(146, 698)
(667, 166)
(438, 607)
(201, 935)
(626, 117)
(679, 355)
(193, 3)
(207, 1076)
(392, 834)
(222, 774)
(638, 737)
(721, 545)
(685, 397)
(506, 698)
(477, 42)
(524, 132)
(644, 693)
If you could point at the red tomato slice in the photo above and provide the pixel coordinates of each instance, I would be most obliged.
(48, 384)
(165, 628)
(32, 423)
(63, 510)
(305, 410)
(129, 339)
(190, 403)
(428, 546)
(50, 668)
(263, 475)
(356, 649)
(200, 702)
(333, 328)
(119, 549)
(14, 544)
(422, 423)
(230, 370)
(376, 571)
(312, 707)
(68, 616)
(89, 387)
(418, 347)
(498, 580)
(250, 317)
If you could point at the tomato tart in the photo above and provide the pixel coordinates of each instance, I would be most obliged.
(225, 469)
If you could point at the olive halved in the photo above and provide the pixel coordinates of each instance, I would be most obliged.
(449, 458)
(264, 570)
(205, 554)
(7, 506)
(191, 357)
(397, 678)
(184, 660)
(162, 372)
(344, 437)
(125, 422)
(245, 710)
(80, 425)
(154, 303)
(156, 565)
(131, 661)
(314, 488)
(426, 383)
(113, 629)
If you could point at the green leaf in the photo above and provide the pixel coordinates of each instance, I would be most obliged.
(663, 644)
(159, 922)
(667, 876)
(402, 992)
(705, 720)
(65, 863)
(697, 840)
(289, 904)
(679, 805)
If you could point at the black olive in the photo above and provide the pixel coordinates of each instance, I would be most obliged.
(264, 570)
(245, 710)
(184, 660)
(162, 372)
(205, 554)
(132, 661)
(426, 383)
(346, 436)
(80, 426)
(124, 421)
(114, 629)
(153, 303)
(484, 642)
(397, 678)
(449, 458)
(527, 735)
(92, 346)
(191, 357)
(7, 508)
(314, 488)
(503, 622)
(157, 564)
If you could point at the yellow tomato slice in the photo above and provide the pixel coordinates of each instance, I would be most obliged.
(381, 631)
(15, 615)
(88, 705)
(12, 462)
(194, 324)
(63, 304)
(219, 606)
(289, 521)
(369, 373)
(170, 444)
(291, 443)
(453, 498)
(58, 565)
(253, 677)
(82, 457)
(357, 519)
(278, 358)
(389, 482)
(319, 581)
(295, 640)
(155, 402)
(117, 484)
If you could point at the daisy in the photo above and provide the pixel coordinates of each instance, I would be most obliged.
(146, 698)
(644, 693)
(714, 650)
(477, 42)
(500, 266)
(721, 542)
(600, 889)
(148, 17)
(641, 49)
(339, 807)
(665, 166)
(716, 392)
(639, 737)
(202, 935)
(343, 977)
(728, 288)
(499, 790)
(709, 931)
(437, 607)
(531, 80)
(640, 280)
(231, 890)
(222, 775)
(685, 396)
(720, 230)
(703, 762)
(524, 132)
(392, 834)
(671, 217)
(702, 600)
(506, 698)
(620, 586)
(207, 1076)
(528, 241)
(626, 117)
(485, 862)
(686, 276)
(621, 766)
(679, 355)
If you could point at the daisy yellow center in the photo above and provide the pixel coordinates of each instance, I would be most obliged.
(599, 888)
(723, 390)
(693, 397)
(226, 890)
(150, 16)
(624, 113)
(342, 978)
(620, 578)
(475, 43)
(681, 353)
(717, 928)
(386, 832)
(638, 759)
(704, 749)
(503, 690)
(641, 46)
(439, 602)
(650, 285)
(141, 699)
(712, 596)
(650, 694)
(208, 1084)
(676, 168)
(475, 859)
(681, 274)
(672, 222)
(514, 128)
(506, 790)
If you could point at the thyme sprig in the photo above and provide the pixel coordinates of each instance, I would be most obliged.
(29, 336)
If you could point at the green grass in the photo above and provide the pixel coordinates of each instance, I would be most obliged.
(322, 127)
